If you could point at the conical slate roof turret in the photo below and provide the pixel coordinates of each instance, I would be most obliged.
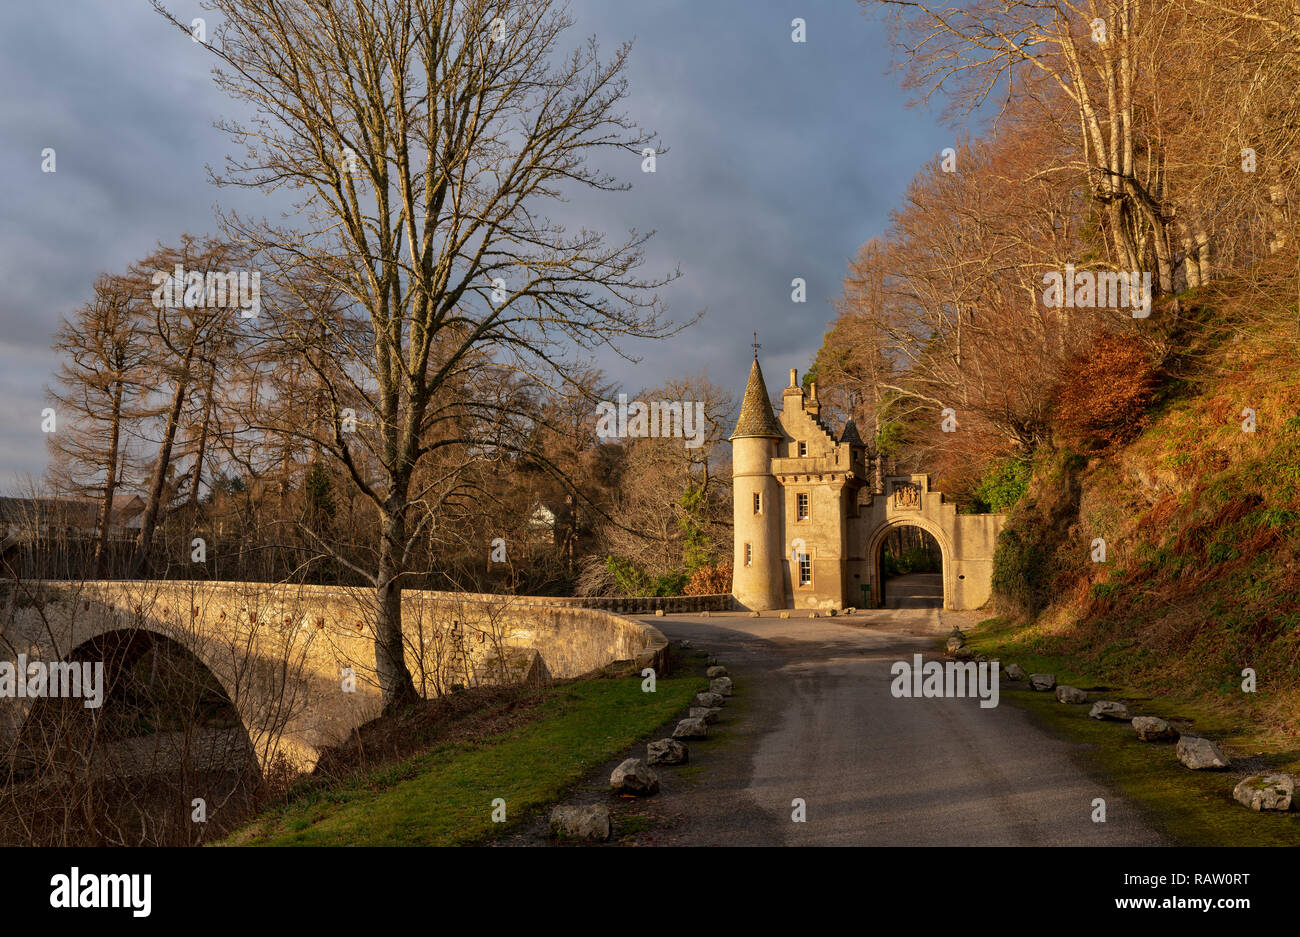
(851, 435)
(756, 416)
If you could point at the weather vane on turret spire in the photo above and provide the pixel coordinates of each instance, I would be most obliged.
(756, 346)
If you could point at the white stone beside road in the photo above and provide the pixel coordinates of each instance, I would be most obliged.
(588, 823)
(1199, 754)
(1265, 792)
(666, 752)
(1070, 694)
(1110, 709)
(691, 729)
(1153, 729)
(1042, 682)
(634, 777)
(708, 713)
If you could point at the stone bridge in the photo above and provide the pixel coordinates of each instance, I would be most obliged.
(297, 662)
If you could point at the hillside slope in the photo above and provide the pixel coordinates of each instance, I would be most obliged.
(1201, 576)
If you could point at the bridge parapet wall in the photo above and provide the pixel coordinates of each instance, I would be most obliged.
(281, 652)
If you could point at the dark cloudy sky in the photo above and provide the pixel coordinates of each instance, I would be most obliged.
(783, 159)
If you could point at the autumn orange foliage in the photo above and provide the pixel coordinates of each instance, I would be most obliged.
(1104, 398)
(714, 579)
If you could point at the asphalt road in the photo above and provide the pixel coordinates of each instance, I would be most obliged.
(816, 720)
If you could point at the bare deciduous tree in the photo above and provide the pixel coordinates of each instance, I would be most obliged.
(102, 353)
(425, 138)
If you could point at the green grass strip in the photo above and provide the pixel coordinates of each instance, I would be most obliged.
(444, 796)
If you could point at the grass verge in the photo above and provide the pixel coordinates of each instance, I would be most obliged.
(444, 796)
(1194, 808)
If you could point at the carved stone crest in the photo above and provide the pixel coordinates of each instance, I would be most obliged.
(907, 495)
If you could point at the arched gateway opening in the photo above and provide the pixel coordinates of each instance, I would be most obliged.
(911, 563)
(909, 567)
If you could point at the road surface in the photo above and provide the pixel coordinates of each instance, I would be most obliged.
(817, 721)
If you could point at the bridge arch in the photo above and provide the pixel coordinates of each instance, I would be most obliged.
(161, 713)
(255, 659)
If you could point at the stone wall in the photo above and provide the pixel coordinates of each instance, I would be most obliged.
(572, 636)
(281, 652)
(634, 605)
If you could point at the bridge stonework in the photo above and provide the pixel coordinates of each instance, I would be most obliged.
(282, 652)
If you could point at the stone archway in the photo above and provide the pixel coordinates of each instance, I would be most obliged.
(876, 545)
(160, 741)
(966, 541)
(264, 663)
(131, 679)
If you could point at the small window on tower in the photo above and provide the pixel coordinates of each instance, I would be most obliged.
(802, 506)
(758, 502)
(749, 554)
(803, 449)
(805, 569)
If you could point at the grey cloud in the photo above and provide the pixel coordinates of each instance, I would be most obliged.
(783, 159)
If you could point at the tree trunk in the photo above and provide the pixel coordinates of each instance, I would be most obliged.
(144, 542)
(1277, 202)
(1125, 250)
(110, 484)
(203, 443)
(1164, 255)
(1191, 263)
(394, 677)
(1203, 256)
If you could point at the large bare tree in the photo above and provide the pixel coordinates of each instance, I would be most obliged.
(190, 335)
(99, 381)
(1095, 58)
(425, 139)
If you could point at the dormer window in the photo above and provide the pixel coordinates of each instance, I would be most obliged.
(803, 449)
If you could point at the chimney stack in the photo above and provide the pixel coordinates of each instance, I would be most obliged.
(811, 405)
